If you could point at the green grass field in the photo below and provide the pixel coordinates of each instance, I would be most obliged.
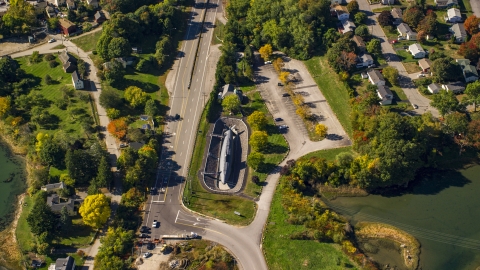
(218, 33)
(283, 253)
(24, 236)
(88, 42)
(52, 92)
(329, 154)
(332, 88)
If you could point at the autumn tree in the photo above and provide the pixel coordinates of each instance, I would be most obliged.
(255, 160)
(118, 128)
(473, 133)
(258, 140)
(257, 120)
(132, 198)
(231, 103)
(385, 18)
(113, 113)
(391, 74)
(413, 15)
(347, 60)
(471, 24)
(135, 96)
(422, 36)
(429, 23)
(472, 94)
(469, 49)
(278, 64)
(95, 210)
(445, 102)
(284, 76)
(5, 106)
(321, 130)
(266, 51)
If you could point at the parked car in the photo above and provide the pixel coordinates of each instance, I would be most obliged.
(123, 145)
(394, 41)
(177, 116)
(280, 84)
(268, 62)
(415, 106)
(144, 229)
(282, 127)
(155, 223)
(420, 75)
(143, 235)
(51, 40)
(285, 95)
(278, 119)
(147, 254)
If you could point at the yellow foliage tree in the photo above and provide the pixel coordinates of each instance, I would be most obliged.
(258, 140)
(135, 96)
(257, 120)
(266, 51)
(278, 64)
(5, 105)
(41, 138)
(95, 210)
(284, 76)
(348, 247)
(303, 112)
(321, 130)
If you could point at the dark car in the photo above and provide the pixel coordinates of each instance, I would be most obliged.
(144, 229)
(280, 84)
(153, 190)
(177, 116)
(143, 235)
(285, 95)
(278, 119)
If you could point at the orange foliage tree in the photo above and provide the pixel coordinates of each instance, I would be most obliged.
(471, 24)
(118, 128)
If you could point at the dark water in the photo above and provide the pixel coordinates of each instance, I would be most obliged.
(442, 212)
(9, 191)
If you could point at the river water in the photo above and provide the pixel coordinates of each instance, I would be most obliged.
(442, 212)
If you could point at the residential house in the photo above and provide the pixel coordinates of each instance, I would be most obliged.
(71, 4)
(63, 264)
(93, 3)
(53, 187)
(375, 77)
(66, 57)
(360, 43)
(227, 88)
(342, 12)
(125, 61)
(364, 60)
(348, 26)
(136, 50)
(56, 204)
(50, 12)
(385, 95)
(39, 6)
(388, 2)
(458, 30)
(60, 3)
(67, 26)
(425, 64)
(69, 67)
(397, 15)
(470, 73)
(456, 87)
(405, 32)
(446, 3)
(76, 81)
(99, 17)
(453, 15)
(416, 50)
(463, 62)
(338, 2)
(434, 88)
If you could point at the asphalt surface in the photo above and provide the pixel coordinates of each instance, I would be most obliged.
(406, 83)
(475, 7)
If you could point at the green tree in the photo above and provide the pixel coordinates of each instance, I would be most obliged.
(133, 198)
(136, 135)
(446, 69)
(258, 140)
(119, 47)
(53, 23)
(445, 102)
(330, 37)
(385, 18)
(135, 96)
(51, 153)
(455, 123)
(353, 6)
(109, 98)
(391, 74)
(362, 31)
(65, 219)
(255, 160)
(80, 166)
(19, 18)
(360, 17)
(41, 219)
(257, 120)
(231, 103)
(116, 243)
(104, 174)
(48, 80)
(115, 73)
(113, 113)
(82, 67)
(472, 94)
(95, 210)
(151, 108)
(374, 46)
(35, 57)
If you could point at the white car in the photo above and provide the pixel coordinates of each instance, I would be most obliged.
(268, 62)
(155, 224)
(420, 75)
(51, 40)
(147, 254)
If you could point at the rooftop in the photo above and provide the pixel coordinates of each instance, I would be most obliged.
(404, 28)
(397, 13)
(415, 48)
(384, 92)
(459, 30)
(454, 12)
(375, 75)
(425, 63)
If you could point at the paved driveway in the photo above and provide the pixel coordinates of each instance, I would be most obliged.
(475, 7)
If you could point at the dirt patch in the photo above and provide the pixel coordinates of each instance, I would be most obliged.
(18, 44)
(412, 67)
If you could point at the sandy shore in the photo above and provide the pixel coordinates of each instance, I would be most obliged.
(10, 254)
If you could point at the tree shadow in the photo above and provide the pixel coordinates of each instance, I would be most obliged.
(275, 149)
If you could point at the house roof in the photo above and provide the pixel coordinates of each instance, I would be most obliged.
(348, 25)
(463, 62)
(425, 63)
(384, 92)
(366, 57)
(397, 13)
(359, 41)
(454, 87)
(99, 15)
(470, 71)
(66, 57)
(446, 2)
(75, 76)
(375, 75)
(90, 2)
(49, 187)
(404, 29)
(54, 202)
(434, 87)
(64, 263)
(338, 2)
(453, 12)
(415, 48)
(70, 3)
(65, 23)
(341, 9)
(458, 30)
(227, 88)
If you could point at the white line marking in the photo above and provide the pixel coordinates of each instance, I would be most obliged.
(177, 216)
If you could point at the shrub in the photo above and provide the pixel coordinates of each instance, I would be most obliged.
(49, 57)
(48, 80)
(255, 179)
(52, 63)
(61, 103)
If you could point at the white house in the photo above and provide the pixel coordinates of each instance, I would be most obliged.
(458, 30)
(364, 60)
(385, 95)
(77, 82)
(453, 15)
(405, 32)
(348, 26)
(434, 88)
(470, 73)
(63, 264)
(375, 77)
(53, 187)
(416, 50)
(455, 87)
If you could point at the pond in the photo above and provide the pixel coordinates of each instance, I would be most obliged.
(442, 212)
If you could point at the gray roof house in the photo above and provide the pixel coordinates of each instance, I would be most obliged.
(455, 87)
(348, 26)
(53, 187)
(56, 204)
(360, 43)
(405, 32)
(458, 30)
(397, 15)
(453, 15)
(463, 62)
(63, 264)
(434, 88)
(385, 95)
(470, 73)
(364, 60)
(416, 50)
(375, 77)
(446, 3)
(76, 81)
(69, 67)
(66, 57)
(425, 64)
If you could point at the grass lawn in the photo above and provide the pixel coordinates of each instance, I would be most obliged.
(218, 33)
(53, 257)
(24, 236)
(57, 172)
(88, 42)
(412, 67)
(283, 253)
(59, 47)
(329, 154)
(215, 205)
(80, 235)
(333, 89)
(63, 120)
(398, 93)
